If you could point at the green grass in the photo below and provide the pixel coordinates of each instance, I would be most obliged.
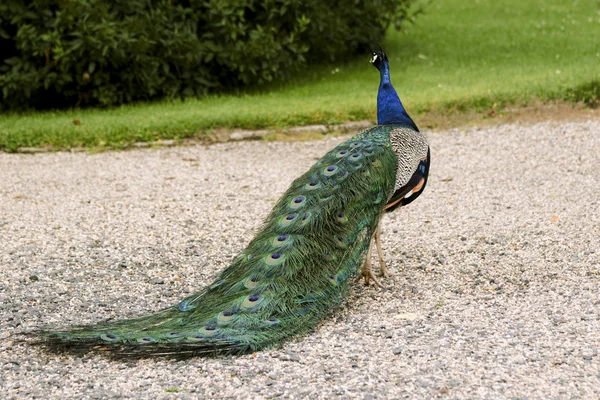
(460, 55)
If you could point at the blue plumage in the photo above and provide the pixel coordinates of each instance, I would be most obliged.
(390, 109)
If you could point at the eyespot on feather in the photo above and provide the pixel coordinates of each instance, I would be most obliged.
(333, 280)
(225, 318)
(281, 240)
(275, 259)
(330, 171)
(355, 157)
(341, 153)
(340, 242)
(297, 202)
(272, 322)
(145, 340)
(312, 185)
(251, 302)
(251, 282)
(208, 331)
(306, 218)
(288, 220)
(341, 218)
(108, 337)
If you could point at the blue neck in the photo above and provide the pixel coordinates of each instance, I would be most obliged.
(389, 107)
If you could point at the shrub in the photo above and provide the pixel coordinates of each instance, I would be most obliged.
(61, 53)
(588, 93)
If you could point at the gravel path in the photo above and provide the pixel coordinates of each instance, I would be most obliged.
(496, 293)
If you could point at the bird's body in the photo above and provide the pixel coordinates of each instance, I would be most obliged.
(300, 263)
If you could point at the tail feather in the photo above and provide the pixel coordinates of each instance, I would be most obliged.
(287, 278)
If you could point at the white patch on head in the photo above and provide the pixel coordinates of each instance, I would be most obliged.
(374, 58)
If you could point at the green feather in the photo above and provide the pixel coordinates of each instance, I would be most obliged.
(296, 268)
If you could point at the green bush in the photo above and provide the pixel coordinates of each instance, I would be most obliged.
(62, 53)
(588, 93)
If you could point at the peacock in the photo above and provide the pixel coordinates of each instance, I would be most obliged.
(301, 262)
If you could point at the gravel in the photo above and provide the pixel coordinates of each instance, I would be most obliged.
(496, 292)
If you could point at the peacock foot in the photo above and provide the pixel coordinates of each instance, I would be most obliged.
(366, 273)
(368, 276)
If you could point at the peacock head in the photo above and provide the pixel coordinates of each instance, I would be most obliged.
(379, 58)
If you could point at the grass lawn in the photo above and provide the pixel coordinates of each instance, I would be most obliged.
(460, 55)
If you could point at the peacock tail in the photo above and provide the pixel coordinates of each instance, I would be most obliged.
(299, 265)
(284, 282)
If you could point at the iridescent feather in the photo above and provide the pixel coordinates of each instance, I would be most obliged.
(288, 277)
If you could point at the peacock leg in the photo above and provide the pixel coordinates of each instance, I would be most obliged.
(365, 270)
(383, 271)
